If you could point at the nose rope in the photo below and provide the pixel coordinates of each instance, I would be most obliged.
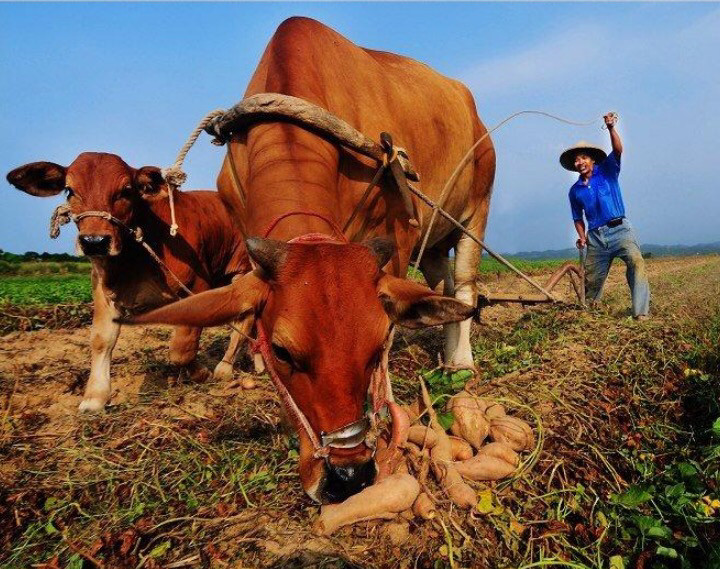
(262, 346)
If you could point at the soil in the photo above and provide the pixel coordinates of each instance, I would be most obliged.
(49, 450)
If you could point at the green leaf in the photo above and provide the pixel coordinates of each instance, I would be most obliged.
(432, 375)
(686, 470)
(617, 562)
(446, 419)
(667, 552)
(50, 529)
(75, 562)
(716, 428)
(662, 532)
(461, 376)
(50, 503)
(485, 503)
(160, 549)
(633, 496)
(675, 491)
(137, 510)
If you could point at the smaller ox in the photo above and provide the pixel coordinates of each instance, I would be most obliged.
(108, 199)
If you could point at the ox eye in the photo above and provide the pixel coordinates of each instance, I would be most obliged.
(68, 191)
(125, 193)
(282, 354)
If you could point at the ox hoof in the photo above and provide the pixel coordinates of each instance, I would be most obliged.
(223, 372)
(197, 374)
(460, 366)
(92, 405)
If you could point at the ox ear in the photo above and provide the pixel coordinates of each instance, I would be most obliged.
(415, 306)
(242, 298)
(382, 248)
(269, 254)
(42, 179)
(149, 183)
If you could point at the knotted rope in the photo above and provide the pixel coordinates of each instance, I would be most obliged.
(174, 175)
(61, 216)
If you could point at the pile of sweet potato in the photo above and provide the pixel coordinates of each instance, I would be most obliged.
(483, 445)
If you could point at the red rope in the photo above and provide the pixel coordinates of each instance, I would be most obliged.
(326, 219)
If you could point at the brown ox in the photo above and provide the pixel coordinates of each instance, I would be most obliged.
(328, 307)
(206, 253)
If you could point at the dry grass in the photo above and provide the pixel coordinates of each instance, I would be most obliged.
(177, 475)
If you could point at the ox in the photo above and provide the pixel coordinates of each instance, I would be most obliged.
(125, 279)
(327, 307)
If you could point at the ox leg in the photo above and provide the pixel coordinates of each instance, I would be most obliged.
(458, 351)
(103, 337)
(224, 368)
(183, 351)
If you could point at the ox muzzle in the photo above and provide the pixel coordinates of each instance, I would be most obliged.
(95, 245)
(349, 464)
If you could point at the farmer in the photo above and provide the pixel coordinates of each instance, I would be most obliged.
(609, 234)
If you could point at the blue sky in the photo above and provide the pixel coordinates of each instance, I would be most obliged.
(134, 79)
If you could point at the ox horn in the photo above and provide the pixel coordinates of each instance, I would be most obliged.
(382, 248)
(267, 253)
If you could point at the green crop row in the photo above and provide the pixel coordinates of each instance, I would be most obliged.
(45, 289)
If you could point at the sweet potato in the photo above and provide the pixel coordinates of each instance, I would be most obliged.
(484, 467)
(423, 507)
(512, 431)
(494, 411)
(384, 500)
(501, 451)
(414, 409)
(389, 457)
(441, 454)
(461, 449)
(422, 436)
(469, 418)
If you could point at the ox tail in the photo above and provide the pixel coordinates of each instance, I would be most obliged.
(210, 308)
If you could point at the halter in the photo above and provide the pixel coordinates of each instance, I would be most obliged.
(63, 215)
(380, 391)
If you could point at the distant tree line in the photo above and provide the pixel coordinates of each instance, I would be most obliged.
(30, 256)
(33, 263)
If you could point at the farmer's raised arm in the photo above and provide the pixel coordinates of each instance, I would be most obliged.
(610, 120)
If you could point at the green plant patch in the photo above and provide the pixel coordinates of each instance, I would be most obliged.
(47, 289)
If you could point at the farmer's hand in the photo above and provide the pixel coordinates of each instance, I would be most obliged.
(580, 243)
(610, 119)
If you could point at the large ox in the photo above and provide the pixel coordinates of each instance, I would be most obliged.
(328, 307)
(207, 252)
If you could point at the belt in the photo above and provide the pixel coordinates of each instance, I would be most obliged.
(615, 222)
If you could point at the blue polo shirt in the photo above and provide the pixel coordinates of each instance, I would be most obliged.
(600, 199)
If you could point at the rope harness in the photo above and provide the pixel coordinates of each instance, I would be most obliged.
(62, 216)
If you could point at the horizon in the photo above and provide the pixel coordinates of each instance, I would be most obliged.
(124, 78)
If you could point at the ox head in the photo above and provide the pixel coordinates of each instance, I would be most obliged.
(94, 182)
(327, 310)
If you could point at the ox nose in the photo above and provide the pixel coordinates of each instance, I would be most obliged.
(344, 481)
(93, 245)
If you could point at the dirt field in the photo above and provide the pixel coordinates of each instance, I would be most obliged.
(177, 475)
